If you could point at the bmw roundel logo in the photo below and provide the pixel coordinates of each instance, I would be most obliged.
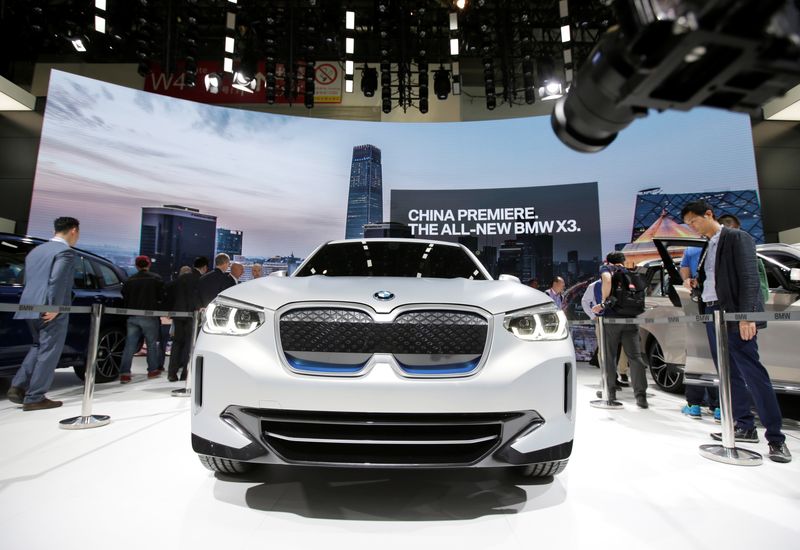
(383, 295)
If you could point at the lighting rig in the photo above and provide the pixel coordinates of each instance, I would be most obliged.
(508, 52)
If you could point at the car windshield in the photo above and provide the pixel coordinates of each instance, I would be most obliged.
(391, 259)
(12, 261)
(782, 263)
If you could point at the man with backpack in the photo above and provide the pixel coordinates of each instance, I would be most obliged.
(623, 297)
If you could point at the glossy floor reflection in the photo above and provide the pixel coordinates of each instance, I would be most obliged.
(636, 479)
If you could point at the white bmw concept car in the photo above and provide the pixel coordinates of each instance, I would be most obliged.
(384, 353)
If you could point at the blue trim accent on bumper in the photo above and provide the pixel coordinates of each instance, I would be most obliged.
(314, 366)
(454, 368)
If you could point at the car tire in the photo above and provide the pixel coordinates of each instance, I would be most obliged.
(224, 465)
(543, 469)
(110, 346)
(667, 376)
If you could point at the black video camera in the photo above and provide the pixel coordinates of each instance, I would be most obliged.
(679, 54)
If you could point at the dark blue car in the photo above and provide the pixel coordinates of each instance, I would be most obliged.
(96, 281)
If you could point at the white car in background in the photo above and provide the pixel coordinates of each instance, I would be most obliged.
(679, 354)
(778, 343)
(384, 353)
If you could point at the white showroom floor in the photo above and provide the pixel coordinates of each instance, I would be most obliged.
(635, 480)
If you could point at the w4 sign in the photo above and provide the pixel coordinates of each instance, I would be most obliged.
(327, 84)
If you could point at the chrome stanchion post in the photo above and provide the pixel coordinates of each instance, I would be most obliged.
(87, 419)
(187, 390)
(606, 402)
(727, 452)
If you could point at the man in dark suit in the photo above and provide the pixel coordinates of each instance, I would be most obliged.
(186, 300)
(215, 281)
(49, 275)
(728, 278)
(144, 290)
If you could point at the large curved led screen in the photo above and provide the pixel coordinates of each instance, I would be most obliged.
(174, 179)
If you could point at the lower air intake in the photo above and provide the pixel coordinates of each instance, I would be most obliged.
(382, 439)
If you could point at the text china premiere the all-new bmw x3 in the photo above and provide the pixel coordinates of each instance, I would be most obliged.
(384, 353)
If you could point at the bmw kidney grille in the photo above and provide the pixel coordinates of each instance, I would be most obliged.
(332, 341)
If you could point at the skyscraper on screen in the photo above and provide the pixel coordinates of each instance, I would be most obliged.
(173, 236)
(365, 202)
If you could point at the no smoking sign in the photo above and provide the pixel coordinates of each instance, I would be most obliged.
(326, 74)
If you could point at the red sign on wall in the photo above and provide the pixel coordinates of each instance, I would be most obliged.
(327, 86)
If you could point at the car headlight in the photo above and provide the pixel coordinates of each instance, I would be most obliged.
(227, 318)
(545, 322)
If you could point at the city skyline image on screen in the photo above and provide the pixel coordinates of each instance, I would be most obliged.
(111, 156)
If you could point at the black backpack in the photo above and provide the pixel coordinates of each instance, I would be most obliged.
(627, 293)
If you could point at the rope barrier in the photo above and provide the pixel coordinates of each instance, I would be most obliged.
(86, 418)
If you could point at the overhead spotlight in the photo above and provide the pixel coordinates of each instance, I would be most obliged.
(311, 73)
(527, 81)
(78, 44)
(99, 24)
(551, 86)
(212, 82)
(422, 80)
(441, 83)
(386, 73)
(552, 89)
(244, 82)
(386, 98)
(190, 72)
(369, 81)
(423, 105)
(244, 78)
(144, 68)
(310, 86)
(488, 83)
(454, 46)
(461, 4)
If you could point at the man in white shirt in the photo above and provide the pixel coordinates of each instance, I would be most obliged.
(728, 277)
(555, 290)
(589, 299)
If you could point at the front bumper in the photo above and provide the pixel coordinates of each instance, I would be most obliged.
(517, 409)
(313, 438)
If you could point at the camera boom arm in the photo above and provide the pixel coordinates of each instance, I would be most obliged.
(672, 54)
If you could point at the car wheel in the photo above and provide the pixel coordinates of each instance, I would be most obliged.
(543, 469)
(110, 346)
(668, 377)
(224, 465)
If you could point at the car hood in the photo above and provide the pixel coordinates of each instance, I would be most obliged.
(492, 296)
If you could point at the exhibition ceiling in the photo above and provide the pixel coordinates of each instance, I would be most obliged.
(504, 47)
(410, 53)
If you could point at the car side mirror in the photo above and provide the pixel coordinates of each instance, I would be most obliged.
(794, 275)
(505, 277)
(281, 273)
